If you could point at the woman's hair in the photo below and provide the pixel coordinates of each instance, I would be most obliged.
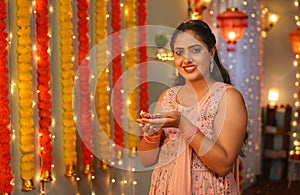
(204, 34)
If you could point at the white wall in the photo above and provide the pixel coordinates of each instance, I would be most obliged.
(278, 55)
(166, 15)
(167, 12)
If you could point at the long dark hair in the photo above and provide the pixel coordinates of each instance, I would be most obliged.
(204, 33)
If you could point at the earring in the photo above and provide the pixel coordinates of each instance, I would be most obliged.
(211, 67)
(176, 73)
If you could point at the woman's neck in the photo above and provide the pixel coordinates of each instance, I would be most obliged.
(199, 84)
(194, 91)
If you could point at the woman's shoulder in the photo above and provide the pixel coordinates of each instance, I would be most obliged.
(219, 84)
(169, 93)
(229, 90)
(172, 90)
(224, 87)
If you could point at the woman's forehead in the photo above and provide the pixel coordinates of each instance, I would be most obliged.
(187, 38)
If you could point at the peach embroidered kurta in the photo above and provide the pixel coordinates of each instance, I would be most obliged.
(202, 181)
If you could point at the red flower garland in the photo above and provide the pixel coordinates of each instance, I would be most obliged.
(5, 157)
(116, 74)
(85, 101)
(143, 58)
(44, 77)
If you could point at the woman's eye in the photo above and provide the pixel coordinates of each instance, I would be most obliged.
(179, 52)
(196, 50)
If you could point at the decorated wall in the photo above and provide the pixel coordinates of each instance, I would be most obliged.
(61, 126)
(74, 76)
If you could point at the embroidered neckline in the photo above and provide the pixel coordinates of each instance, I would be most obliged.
(206, 96)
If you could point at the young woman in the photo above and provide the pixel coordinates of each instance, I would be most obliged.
(196, 142)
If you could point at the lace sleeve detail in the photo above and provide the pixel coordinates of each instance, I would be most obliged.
(169, 99)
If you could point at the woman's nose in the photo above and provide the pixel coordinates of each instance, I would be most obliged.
(187, 59)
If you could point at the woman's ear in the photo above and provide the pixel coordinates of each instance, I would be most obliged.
(212, 52)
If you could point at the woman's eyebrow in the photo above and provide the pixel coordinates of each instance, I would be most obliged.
(181, 48)
(196, 45)
(191, 46)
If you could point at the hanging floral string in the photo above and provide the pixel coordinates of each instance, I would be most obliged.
(84, 75)
(43, 87)
(116, 76)
(130, 64)
(143, 57)
(67, 82)
(5, 156)
(102, 98)
(24, 58)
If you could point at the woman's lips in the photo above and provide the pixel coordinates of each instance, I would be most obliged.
(189, 68)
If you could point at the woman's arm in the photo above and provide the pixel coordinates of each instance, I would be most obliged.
(148, 148)
(229, 128)
(148, 152)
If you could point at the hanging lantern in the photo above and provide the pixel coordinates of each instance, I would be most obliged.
(294, 39)
(232, 24)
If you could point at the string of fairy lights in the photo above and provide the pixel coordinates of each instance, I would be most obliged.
(295, 141)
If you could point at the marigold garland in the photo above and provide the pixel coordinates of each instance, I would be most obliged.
(117, 98)
(84, 76)
(143, 57)
(130, 64)
(43, 87)
(102, 98)
(5, 156)
(67, 82)
(24, 57)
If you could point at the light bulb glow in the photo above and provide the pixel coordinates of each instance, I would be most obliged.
(232, 35)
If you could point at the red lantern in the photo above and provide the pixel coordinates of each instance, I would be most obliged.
(294, 39)
(232, 24)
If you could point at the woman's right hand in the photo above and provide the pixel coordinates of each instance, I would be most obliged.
(149, 128)
(168, 119)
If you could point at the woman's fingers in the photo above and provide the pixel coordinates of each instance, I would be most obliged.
(169, 119)
(149, 129)
(158, 122)
(153, 122)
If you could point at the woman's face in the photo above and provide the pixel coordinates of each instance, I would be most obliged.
(191, 56)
